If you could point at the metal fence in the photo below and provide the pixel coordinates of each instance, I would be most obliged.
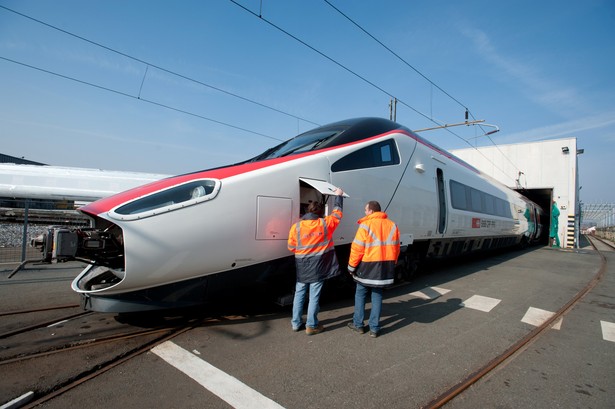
(601, 215)
(23, 220)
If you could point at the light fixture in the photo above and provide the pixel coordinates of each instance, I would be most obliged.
(565, 150)
(580, 151)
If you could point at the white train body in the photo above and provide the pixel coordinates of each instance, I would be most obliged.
(162, 245)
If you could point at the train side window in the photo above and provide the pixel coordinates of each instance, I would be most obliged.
(476, 200)
(490, 204)
(385, 154)
(503, 208)
(458, 196)
(380, 154)
(466, 198)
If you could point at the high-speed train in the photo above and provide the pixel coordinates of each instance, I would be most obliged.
(179, 240)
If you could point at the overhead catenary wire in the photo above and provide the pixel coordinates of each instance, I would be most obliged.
(397, 55)
(150, 64)
(137, 98)
(332, 60)
(259, 15)
(433, 84)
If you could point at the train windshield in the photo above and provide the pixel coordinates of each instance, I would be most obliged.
(308, 141)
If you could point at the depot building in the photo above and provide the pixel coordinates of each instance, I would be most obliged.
(543, 172)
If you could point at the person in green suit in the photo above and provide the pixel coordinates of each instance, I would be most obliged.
(553, 236)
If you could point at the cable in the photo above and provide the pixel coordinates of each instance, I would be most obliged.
(502, 153)
(419, 73)
(362, 78)
(148, 64)
(333, 61)
(137, 98)
(396, 55)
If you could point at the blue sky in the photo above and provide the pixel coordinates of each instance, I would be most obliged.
(537, 70)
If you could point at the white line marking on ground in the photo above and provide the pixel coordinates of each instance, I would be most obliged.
(18, 402)
(558, 323)
(56, 323)
(536, 316)
(228, 388)
(608, 331)
(430, 293)
(478, 302)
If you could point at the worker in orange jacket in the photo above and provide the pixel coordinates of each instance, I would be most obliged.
(311, 239)
(373, 256)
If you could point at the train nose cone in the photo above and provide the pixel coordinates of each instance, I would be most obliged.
(98, 278)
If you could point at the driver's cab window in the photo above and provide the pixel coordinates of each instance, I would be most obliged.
(376, 155)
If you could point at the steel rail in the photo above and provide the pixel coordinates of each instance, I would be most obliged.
(520, 345)
(57, 307)
(102, 368)
(84, 344)
(43, 324)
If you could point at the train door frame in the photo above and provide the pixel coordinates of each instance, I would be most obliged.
(441, 193)
(321, 186)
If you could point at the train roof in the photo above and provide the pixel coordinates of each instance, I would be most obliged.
(330, 135)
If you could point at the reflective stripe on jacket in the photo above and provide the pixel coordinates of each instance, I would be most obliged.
(374, 251)
(311, 239)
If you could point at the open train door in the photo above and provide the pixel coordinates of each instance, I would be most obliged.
(315, 190)
(323, 187)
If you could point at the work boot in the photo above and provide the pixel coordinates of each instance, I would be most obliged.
(314, 331)
(360, 330)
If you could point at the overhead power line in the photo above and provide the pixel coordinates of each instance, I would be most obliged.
(467, 110)
(149, 64)
(396, 55)
(332, 60)
(259, 15)
(124, 94)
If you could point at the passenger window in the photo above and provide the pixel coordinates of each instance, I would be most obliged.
(466, 198)
(477, 205)
(490, 204)
(458, 196)
(380, 154)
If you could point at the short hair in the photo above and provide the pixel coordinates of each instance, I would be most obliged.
(316, 208)
(374, 206)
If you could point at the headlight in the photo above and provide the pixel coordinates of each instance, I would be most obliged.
(169, 199)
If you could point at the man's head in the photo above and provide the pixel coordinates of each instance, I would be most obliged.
(316, 208)
(371, 207)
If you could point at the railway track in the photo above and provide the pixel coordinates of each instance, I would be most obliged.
(44, 396)
(598, 245)
(83, 344)
(106, 350)
(40, 324)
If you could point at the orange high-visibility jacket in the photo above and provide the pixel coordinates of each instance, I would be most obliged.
(374, 251)
(311, 239)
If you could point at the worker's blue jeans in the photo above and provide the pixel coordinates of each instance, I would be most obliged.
(313, 307)
(360, 297)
